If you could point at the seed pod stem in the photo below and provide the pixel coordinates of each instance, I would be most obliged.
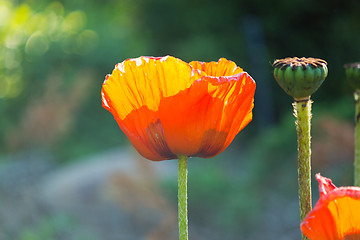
(302, 112)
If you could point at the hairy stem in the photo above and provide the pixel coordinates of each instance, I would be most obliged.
(182, 198)
(302, 112)
(357, 140)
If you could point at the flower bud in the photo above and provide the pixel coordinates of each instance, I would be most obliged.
(300, 77)
(352, 71)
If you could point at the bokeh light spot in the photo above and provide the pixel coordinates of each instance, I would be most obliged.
(4, 87)
(86, 41)
(55, 7)
(15, 86)
(74, 22)
(12, 59)
(22, 14)
(11, 86)
(38, 22)
(4, 13)
(14, 38)
(37, 44)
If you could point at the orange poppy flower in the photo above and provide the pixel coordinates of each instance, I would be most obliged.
(336, 216)
(167, 107)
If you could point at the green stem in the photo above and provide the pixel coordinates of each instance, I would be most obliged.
(357, 140)
(302, 111)
(182, 198)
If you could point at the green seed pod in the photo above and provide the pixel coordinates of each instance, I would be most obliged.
(352, 72)
(300, 77)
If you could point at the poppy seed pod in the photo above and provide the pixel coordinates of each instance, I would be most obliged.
(352, 72)
(300, 77)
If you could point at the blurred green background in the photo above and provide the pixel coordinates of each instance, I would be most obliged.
(55, 138)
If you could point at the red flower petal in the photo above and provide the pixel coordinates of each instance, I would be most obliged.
(144, 81)
(168, 108)
(217, 69)
(336, 216)
(204, 119)
(325, 184)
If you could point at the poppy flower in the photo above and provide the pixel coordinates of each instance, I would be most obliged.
(336, 216)
(167, 107)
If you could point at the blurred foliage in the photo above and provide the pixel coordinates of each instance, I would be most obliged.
(56, 227)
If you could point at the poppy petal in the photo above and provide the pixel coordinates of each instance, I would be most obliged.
(168, 108)
(221, 68)
(336, 216)
(146, 133)
(203, 119)
(144, 81)
(325, 184)
(132, 93)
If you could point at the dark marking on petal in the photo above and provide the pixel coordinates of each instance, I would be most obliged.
(354, 236)
(156, 136)
(212, 142)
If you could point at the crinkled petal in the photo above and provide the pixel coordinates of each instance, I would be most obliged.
(336, 216)
(203, 119)
(132, 93)
(325, 184)
(144, 129)
(221, 68)
(144, 81)
(168, 108)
